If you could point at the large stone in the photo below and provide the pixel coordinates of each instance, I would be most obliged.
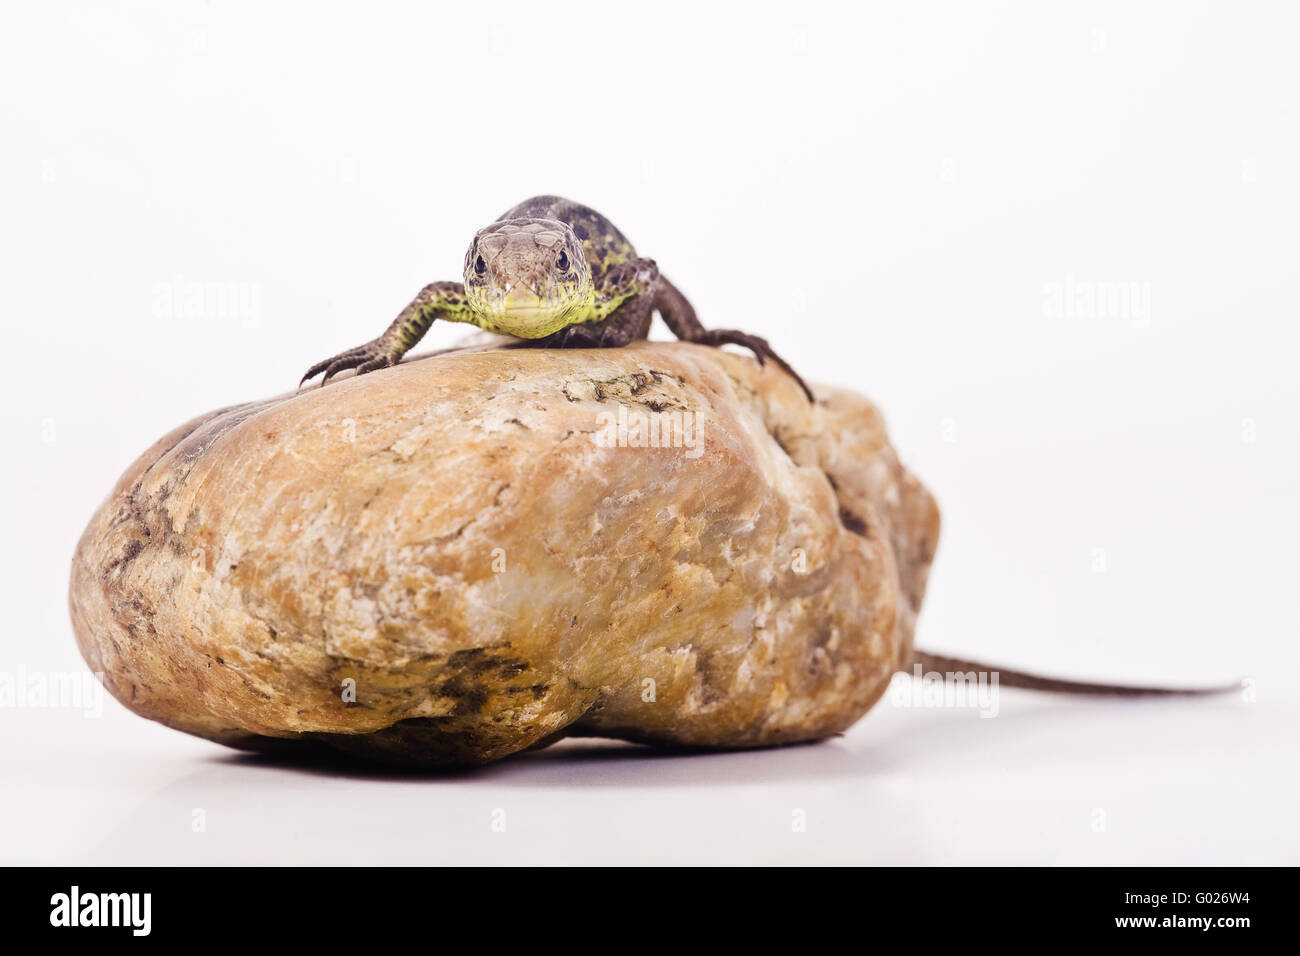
(471, 554)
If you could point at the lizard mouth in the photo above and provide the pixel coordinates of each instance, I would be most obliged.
(525, 313)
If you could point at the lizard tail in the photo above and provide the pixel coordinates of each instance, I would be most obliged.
(1010, 678)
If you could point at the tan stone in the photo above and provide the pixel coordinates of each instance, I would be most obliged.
(456, 537)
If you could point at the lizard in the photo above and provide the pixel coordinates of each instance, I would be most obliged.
(555, 274)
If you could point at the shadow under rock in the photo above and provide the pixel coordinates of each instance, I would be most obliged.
(591, 762)
(892, 742)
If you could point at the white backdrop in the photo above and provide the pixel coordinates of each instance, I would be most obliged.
(1057, 245)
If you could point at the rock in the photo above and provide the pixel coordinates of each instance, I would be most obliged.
(475, 553)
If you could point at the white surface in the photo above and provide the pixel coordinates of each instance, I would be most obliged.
(891, 196)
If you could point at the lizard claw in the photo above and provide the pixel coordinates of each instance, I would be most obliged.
(761, 349)
(364, 358)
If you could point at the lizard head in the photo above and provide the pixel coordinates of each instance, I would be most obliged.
(527, 277)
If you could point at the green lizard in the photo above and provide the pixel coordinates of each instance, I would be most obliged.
(557, 274)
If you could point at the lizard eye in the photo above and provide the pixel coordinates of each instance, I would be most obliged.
(480, 266)
(562, 263)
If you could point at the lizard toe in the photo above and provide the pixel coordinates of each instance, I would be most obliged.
(762, 352)
(330, 365)
(342, 364)
(373, 364)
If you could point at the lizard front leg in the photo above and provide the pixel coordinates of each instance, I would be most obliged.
(438, 300)
(679, 315)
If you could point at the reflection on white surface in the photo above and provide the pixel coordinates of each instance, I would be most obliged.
(1046, 781)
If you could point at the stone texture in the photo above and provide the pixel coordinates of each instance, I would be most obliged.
(453, 536)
